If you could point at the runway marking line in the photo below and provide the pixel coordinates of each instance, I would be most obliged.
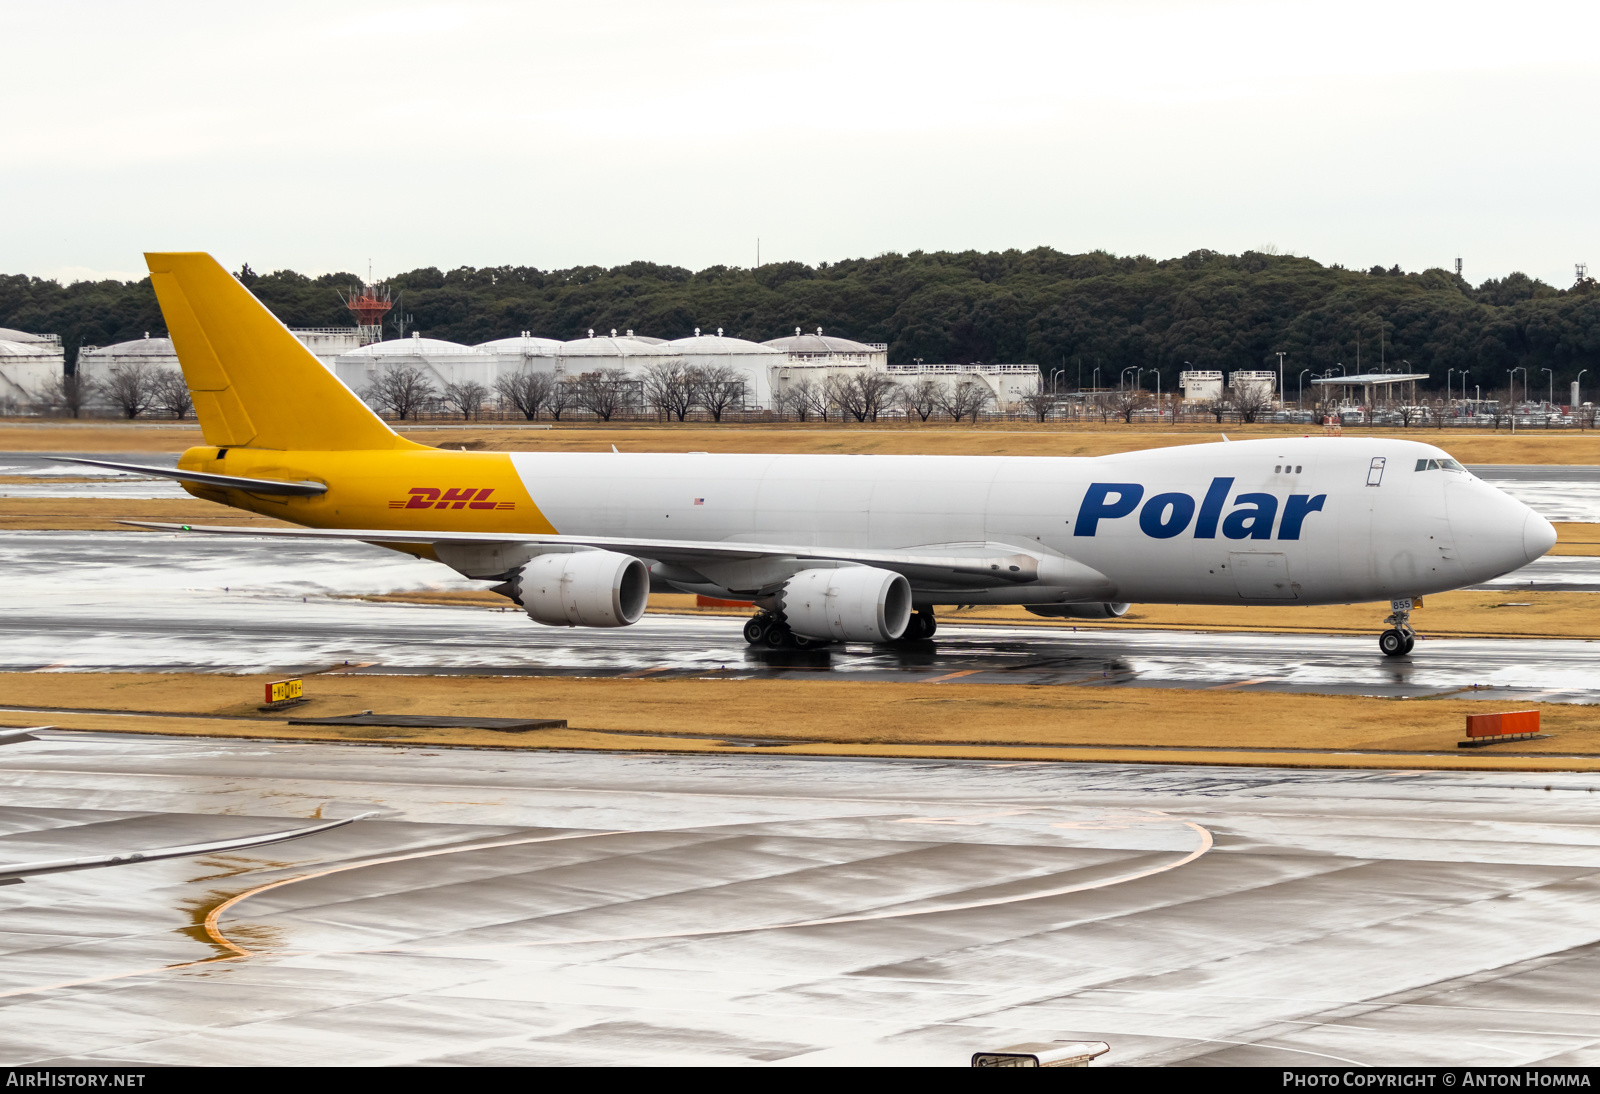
(1243, 683)
(212, 917)
(951, 676)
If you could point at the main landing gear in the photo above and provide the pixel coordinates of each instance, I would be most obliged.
(766, 629)
(921, 627)
(1399, 638)
(763, 628)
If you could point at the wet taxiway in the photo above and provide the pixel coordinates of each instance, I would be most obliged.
(548, 908)
(108, 601)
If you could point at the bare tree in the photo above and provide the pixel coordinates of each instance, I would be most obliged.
(873, 392)
(835, 396)
(132, 388)
(563, 394)
(172, 392)
(964, 398)
(605, 393)
(1128, 402)
(1586, 414)
(1439, 412)
(717, 388)
(804, 398)
(1040, 401)
(920, 398)
(526, 389)
(402, 390)
(467, 396)
(669, 388)
(1409, 414)
(67, 394)
(1249, 401)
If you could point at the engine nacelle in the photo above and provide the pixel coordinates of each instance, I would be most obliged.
(1080, 611)
(849, 604)
(584, 589)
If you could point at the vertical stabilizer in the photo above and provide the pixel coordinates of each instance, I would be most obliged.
(254, 384)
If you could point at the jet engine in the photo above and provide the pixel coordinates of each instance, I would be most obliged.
(1080, 611)
(584, 589)
(849, 604)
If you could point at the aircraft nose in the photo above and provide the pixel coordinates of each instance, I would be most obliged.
(1538, 536)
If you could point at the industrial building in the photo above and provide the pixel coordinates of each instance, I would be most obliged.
(30, 364)
(1007, 384)
(97, 365)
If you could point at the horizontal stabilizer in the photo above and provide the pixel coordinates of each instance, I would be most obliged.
(205, 478)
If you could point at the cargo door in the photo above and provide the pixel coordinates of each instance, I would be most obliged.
(1261, 575)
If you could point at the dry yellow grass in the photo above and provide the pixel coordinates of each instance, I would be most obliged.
(996, 438)
(947, 719)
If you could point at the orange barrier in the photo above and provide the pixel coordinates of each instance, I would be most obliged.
(1513, 725)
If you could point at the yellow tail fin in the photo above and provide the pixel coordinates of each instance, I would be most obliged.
(254, 384)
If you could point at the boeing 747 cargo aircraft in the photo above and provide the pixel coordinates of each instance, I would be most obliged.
(827, 548)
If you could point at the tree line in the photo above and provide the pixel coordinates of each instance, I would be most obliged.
(1085, 319)
(672, 391)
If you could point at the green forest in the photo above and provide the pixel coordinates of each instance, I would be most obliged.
(1060, 311)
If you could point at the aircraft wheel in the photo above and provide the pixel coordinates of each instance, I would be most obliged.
(755, 629)
(1393, 643)
(930, 625)
(801, 642)
(1411, 640)
(780, 637)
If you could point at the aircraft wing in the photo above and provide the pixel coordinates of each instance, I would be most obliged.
(970, 565)
(206, 478)
(14, 873)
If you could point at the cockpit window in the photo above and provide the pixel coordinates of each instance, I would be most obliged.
(1438, 465)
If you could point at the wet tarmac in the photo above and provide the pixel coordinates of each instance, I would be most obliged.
(555, 908)
(113, 601)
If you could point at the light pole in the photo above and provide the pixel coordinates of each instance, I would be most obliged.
(1123, 375)
(1449, 386)
(1552, 383)
(1300, 390)
(1511, 392)
(1097, 377)
(1281, 393)
(1578, 383)
(1053, 374)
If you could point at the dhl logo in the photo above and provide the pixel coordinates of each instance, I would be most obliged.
(470, 497)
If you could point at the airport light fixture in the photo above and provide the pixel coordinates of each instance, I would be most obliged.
(1577, 385)
(1300, 390)
(1280, 354)
(1450, 386)
(1552, 385)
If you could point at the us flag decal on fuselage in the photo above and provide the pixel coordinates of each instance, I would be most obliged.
(470, 497)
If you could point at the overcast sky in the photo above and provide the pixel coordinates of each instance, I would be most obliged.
(317, 136)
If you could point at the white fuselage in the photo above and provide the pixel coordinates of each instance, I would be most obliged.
(1296, 520)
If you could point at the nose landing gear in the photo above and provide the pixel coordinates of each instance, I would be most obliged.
(1398, 640)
